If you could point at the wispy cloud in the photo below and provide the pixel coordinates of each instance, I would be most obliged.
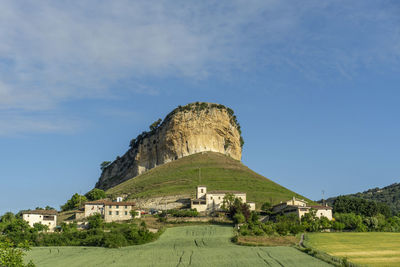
(19, 123)
(52, 52)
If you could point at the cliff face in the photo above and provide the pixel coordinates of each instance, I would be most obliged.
(187, 130)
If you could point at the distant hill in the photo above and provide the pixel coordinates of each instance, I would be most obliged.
(389, 195)
(217, 172)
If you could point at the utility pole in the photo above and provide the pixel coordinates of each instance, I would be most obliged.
(199, 176)
(323, 193)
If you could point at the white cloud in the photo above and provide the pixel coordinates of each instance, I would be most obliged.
(17, 123)
(52, 52)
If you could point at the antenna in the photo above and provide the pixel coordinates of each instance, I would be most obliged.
(199, 175)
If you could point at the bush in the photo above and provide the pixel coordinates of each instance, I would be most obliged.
(184, 213)
(114, 240)
(239, 218)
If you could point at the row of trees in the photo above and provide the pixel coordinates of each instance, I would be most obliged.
(14, 230)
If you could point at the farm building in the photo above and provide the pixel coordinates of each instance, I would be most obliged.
(110, 210)
(212, 201)
(45, 217)
(300, 207)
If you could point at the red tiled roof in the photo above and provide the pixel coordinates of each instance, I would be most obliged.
(41, 212)
(108, 202)
(224, 192)
(321, 207)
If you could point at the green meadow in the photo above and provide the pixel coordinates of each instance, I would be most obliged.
(372, 249)
(207, 245)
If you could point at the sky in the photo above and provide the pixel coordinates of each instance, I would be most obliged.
(314, 84)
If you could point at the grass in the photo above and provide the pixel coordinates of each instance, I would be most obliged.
(372, 249)
(207, 245)
(269, 241)
(218, 172)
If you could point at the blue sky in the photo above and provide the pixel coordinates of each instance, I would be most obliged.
(315, 85)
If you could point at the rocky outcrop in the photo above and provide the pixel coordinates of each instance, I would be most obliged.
(187, 130)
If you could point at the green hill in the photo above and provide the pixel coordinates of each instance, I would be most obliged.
(389, 195)
(217, 172)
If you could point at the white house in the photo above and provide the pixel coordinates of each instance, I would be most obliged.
(45, 217)
(111, 210)
(300, 207)
(213, 200)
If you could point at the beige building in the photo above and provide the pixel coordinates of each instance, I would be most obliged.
(300, 207)
(111, 211)
(45, 217)
(213, 200)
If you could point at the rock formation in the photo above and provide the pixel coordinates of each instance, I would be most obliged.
(187, 130)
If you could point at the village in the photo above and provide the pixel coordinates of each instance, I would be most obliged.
(205, 202)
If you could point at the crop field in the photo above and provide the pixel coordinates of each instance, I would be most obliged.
(207, 245)
(372, 249)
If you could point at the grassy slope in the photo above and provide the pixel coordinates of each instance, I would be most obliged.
(373, 249)
(179, 246)
(218, 172)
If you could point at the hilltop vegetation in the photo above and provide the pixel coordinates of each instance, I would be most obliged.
(215, 170)
(390, 195)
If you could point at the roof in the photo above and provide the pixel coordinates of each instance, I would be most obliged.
(108, 202)
(225, 192)
(40, 212)
(321, 207)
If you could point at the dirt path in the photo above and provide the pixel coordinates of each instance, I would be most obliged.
(301, 241)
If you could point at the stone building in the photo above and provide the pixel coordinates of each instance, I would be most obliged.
(45, 217)
(110, 210)
(213, 200)
(300, 207)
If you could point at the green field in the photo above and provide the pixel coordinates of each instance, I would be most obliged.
(180, 246)
(218, 172)
(372, 249)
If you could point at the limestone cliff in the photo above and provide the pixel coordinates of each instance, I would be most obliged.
(187, 130)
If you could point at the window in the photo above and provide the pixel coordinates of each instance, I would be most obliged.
(219, 197)
(211, 198)
(202, 190)
(110, 206)
(110, 213)
(117, 206)
(126, 206)
(117, 212)
(126, 213)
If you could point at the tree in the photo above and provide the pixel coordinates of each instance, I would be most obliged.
(239, 218)
(95, 194)
(7, 217)
(104, 165)
(266, 207)
(75, 202)
(95, 221)
(233, 205)
(38, 227)
(134, 213)
(155, 125)
(132, 142)
(12, 256)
